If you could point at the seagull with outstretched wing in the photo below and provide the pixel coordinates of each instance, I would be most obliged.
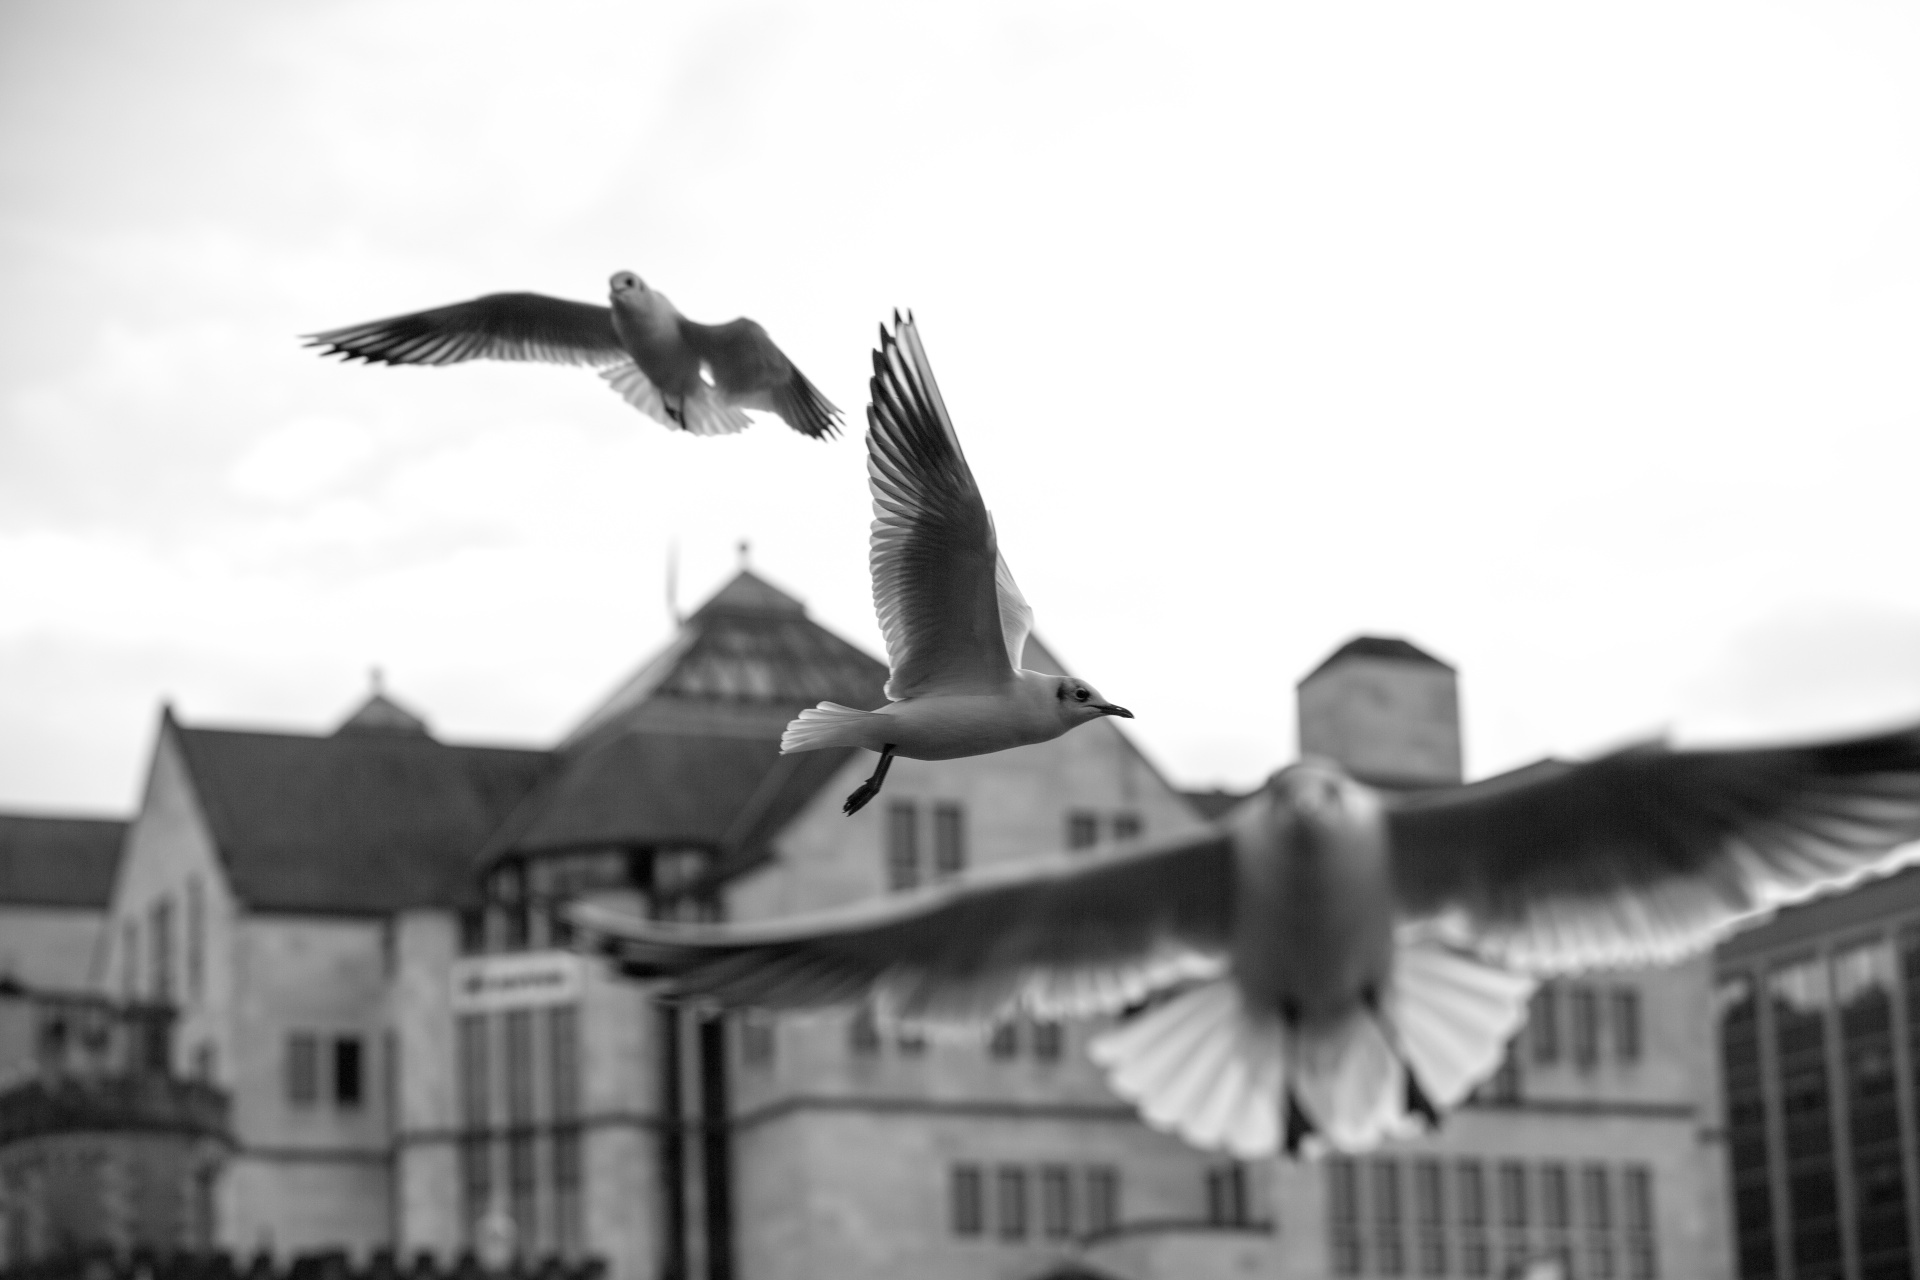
(956, 625)
(699, 377)
(1334, 964)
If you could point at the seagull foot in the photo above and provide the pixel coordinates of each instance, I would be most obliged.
(1418, 1103)
(871, 787)
(1299, 1127)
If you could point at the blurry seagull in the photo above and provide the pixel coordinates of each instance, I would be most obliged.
(1335, 965)
(674, 370)
(955, 623)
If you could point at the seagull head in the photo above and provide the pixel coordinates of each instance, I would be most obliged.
(1079, 702)
(1319, 790)
(627, 284)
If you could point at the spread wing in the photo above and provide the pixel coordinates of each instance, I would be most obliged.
(1016, 615)
(1063, 936)
(748, 368)
(499, 326)
(1646, 854)
(935, 561)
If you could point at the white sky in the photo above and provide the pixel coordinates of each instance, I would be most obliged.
(1579, 345)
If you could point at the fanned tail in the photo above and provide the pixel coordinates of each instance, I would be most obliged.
(1201, 1066)
(824, 726)
(704, 413)
(1454, 1014)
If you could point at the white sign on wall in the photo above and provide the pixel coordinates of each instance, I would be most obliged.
(519, 980)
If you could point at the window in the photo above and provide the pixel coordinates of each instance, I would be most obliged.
(476, 1182)
(519, 1066)
(1126, 826)
(303, 1069)
(1083, 830)
(1596, 1202)
(475, 1078)
(1626, 1024)
(196, 937)
(347, 1084)
(1046, 1041)
(863, 1037)
(756, 1038)
(1056, 1201)
(563, 1061)
(520, 1188)
(1343, 1216)
(966, 1202)
(903, 846)
(1012, 1205)
(473, 931)
(1543, 1024)
(1430, 1215)
(1503, 1087)
(1005, 1040)
(1103, 1198)
(1642, 1260)
(160, 930)
(1556, 1212)
(566, 1191)
(1389, 1257)
(1584, 1004)
(1227, 1195)
(1470, 1189)
(949, 841)
(130, 959)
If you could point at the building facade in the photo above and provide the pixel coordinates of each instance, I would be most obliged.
(1819, 1037)
(362, 938)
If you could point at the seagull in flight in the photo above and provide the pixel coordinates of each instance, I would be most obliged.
(955, 624)
(1333, 965)
(698, 377)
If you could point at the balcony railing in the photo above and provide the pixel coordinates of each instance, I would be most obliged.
(83, 1104)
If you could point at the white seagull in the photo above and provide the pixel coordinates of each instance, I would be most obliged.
(1336, 965)
(698, 377)
(955, 623)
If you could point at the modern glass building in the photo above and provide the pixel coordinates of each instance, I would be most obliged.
(1820, 1043)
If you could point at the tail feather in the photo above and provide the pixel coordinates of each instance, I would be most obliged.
(1350, 1082)
(1454, 1014)
(1203, 1068)
(827, 725)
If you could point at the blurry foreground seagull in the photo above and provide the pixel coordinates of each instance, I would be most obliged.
(1335, 962)
(955, 623)
(676, 371)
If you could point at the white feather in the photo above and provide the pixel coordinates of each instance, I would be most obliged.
(1453, 1014)
(824, 726)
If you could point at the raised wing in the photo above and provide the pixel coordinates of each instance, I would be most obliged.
(1016, 615)
(499, 326)
(1061, 937)
(934, 557)
(749, 369)
(1647, 854)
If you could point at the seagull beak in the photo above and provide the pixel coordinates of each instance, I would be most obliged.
(1109, 709)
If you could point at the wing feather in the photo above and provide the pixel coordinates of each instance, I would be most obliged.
(499, 326)
(935, 561)
(749, 369)
(1647, 854)
(1060, 937)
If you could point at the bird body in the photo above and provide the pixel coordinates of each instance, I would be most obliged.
(956, 624)
(697, 377)
(1333, 965)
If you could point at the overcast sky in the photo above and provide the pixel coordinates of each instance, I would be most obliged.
(1580, 346)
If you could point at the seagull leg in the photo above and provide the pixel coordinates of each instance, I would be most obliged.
(871, 787)
(1299, 1127)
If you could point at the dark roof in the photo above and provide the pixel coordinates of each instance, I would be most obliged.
(53, 861)
(1212, 804)
(752, 647)
(687, 750)
(359, 822)
(381, 714)
(1392, 648)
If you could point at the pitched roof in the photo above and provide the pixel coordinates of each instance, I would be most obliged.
(1212, 804)
(687, 750)
(48, 860)
(1392, 648)
(381, 714)
(355, 822)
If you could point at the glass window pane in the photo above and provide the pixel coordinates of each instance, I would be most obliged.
(949, 841)
(968, 1209)
(347, 1084)
(903, 846)
(1011, 1204)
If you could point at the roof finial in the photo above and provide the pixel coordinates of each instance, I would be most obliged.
(745, 547)
(375, 679)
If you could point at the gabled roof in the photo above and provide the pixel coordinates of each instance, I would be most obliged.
(48, 860)
(355, 822)
(1393, 648)
(381, 714)
(687, 750)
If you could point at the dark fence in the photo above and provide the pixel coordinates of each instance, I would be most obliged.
(328, 1265)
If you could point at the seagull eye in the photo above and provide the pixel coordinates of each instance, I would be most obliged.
(1080, 694)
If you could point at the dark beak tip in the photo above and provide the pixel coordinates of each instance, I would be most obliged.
(1122, 712)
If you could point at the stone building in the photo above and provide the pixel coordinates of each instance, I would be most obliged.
(363, 936)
